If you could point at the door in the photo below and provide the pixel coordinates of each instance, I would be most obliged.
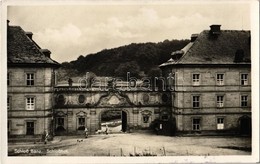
(30, 128)
(245, 126)
(124, 121)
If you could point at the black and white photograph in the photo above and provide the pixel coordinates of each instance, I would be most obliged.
(130, 82)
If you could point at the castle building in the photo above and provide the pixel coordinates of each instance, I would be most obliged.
(30, 80)
(208, 91)
(211, 92)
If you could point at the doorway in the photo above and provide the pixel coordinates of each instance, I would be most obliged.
(114, 121)
(124, 121)
(30, 128)
(245, 126)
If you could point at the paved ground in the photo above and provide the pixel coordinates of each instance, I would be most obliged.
(137, 144)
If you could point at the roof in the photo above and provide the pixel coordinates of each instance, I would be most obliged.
(216, 49)
(21, 50)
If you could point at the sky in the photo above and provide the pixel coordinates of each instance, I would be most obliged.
(69, 31)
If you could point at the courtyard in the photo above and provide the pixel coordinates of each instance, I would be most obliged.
(143, 143)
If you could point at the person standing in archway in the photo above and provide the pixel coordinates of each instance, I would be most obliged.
(106, 130)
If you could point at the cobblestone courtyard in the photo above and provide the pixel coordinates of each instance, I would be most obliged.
(135, 144)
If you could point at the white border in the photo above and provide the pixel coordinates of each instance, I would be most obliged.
(180, 159)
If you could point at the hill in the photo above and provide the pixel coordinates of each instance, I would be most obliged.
(140, 59)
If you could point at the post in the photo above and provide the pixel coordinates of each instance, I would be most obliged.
(164, 152)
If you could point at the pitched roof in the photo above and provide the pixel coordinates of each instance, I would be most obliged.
(216, 49)
(22, 50)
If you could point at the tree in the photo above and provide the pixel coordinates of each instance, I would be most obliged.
(131, 67)
(154, 75)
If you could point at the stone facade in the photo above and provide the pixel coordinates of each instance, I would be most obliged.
(42, 94)
(211, 87)
(208, 90)
(72, 103)
(30, 82)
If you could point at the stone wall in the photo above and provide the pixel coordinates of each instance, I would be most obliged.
(136, 104)
(208, 90)
(18, 91)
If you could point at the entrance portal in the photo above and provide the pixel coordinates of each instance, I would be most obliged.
(124, 121)
(30, 128)
(114, 121)
(245, 126)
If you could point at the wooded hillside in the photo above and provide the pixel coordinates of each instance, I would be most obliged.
(139, 59)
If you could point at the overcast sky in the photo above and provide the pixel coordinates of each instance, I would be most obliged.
(70, 31)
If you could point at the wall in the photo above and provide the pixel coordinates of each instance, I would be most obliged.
(42, 90)
(208, 91)
(134, 103)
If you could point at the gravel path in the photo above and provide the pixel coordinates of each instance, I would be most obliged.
(145, 143)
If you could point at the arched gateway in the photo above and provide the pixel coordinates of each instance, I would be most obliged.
(117, 119)
(77, 109)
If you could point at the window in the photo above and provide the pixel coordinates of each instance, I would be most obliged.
(196, 79)
(60, 124)
(244, 100)
(145, 118)
(195, 101)
(9, 127)
(8, 103)
(244, 79)
(60, 121)
(81, 122)
(220, 123)
(220, 79)
(30, 103)
(8, 79)
(29, 79)
(196, 124)
(171, 79)
(220, 101)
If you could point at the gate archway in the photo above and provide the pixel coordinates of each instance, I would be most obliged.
(114, 122)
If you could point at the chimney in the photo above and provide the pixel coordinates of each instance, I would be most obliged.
(46, 52)
(29, 34)
(193, 37)
(215, 29)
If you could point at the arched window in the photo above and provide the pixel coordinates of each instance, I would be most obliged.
(145, 118)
